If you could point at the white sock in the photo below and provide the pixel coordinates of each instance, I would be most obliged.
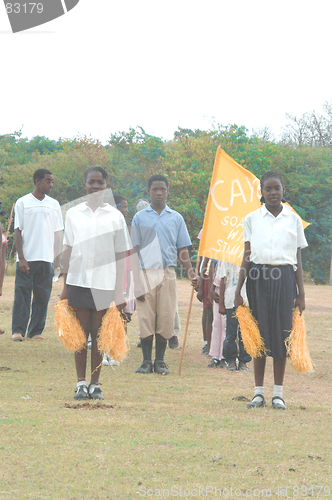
(81, 382)
(277, 392)
(258, 390)
(93, 387)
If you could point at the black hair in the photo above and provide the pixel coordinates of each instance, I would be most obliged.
(96, 169)
(118, 199)
(269, 175)
(40, 174)
(157, 177)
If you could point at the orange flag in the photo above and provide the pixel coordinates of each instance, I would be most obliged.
(234, 193)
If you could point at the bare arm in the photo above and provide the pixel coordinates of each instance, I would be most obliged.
(213, 296)
(23, 264)
(200, 291)
(238, 301)
(2, 260)
(57, 248)
(65, 265)
(300, 299)
(185, 260)
(120, 270)
(138, 285)
(222, 308)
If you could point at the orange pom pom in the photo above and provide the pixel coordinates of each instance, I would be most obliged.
(68, 327)
(112, 337)
(296, 345)
(251, 337)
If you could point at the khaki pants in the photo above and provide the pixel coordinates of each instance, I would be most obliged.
(156, 313)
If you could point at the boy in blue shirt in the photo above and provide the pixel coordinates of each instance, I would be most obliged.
(159, 235)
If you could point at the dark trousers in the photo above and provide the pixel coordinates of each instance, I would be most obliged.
(230, 347)
(39, 283)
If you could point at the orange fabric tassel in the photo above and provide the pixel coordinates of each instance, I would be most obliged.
(296, 345)
(251, 337)
(112, 338)
(68, 327)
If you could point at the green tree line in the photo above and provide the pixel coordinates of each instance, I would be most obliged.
(187, 160)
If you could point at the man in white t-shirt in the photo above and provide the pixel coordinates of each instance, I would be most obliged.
(38, 225)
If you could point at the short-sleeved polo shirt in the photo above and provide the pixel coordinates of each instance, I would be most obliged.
(158, 237)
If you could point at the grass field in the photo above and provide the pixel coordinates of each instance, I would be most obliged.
(162, 437)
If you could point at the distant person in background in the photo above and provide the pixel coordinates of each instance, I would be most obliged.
(2, 262)
(219, 321)
(121, 204)
(233, 348)
(2, 258)
(38, 225)
(203, 296)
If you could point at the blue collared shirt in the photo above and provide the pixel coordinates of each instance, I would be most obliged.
(159, 237)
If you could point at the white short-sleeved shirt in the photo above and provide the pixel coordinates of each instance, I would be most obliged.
(274, 240)
(95, 238)
(38, 220)
(231, 273)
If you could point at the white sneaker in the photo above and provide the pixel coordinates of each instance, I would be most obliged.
(108, 360)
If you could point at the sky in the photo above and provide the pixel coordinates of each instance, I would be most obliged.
(109, 65)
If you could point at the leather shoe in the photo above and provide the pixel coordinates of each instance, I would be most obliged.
(160, 367)
(17, 337)
(146, 367)
(257, 403)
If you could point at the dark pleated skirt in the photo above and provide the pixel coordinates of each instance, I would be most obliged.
(271, 292)
(89, 298)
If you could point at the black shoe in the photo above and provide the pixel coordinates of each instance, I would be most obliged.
(205, 349)
(173, 342)
(214, 363)
(160, 367)
(81, 392)
(232, 366)
(223, 363)
(96, 393)
(146, 367)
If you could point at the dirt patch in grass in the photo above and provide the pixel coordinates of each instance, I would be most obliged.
(88, 406)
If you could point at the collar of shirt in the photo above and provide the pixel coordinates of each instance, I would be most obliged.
(166, 209)
(84, 206)
(285, 211)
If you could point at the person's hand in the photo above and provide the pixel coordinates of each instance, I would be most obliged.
(238, 301)
(213, 296)
(24, 266)
(222, 309)
(300, 303)
(194, 283)
(200, 295)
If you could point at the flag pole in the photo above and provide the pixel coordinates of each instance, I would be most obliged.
(188, 318)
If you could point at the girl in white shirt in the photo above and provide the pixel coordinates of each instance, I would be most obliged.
(273, 237)
(95, 242)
